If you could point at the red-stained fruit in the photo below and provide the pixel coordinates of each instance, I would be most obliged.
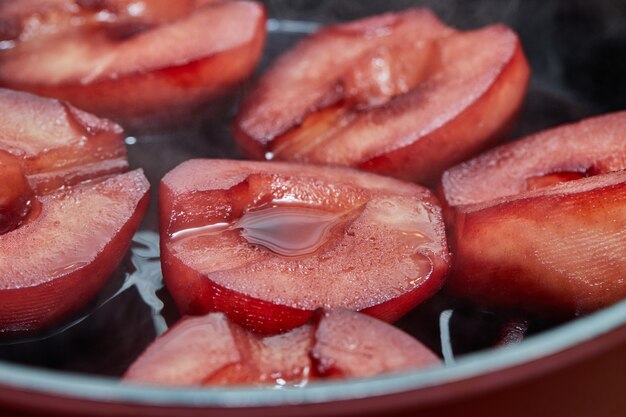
(211, 350)
(64, 147)
(352, 345)
(141, 63)
(540, 224)
(67, 214)
(399, 94)
(15, 192)
(56, 263)
(269, 243)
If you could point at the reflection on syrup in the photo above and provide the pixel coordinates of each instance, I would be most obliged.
(147, 277)
(67, 268)
(287, 230)
(298, 378)
(208, 230)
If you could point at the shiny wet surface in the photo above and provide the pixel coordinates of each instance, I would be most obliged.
(106, 337)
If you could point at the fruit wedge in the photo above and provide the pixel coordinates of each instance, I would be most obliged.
(399, 94)
(211, 350)
(269, 243)
(15, 193)
(352, 345)
(67, 214)
(58, 144)
(55, 264)
(144, 64)
(540, 224)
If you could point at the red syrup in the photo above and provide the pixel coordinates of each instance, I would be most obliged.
(286, 230)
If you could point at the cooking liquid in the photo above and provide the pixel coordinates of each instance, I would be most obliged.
(285, 229)
(108, 338)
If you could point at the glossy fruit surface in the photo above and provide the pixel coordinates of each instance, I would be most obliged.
(55, 264)
(540, 224)
(268, 243)
(67, 213)
(141, 64)
(352, 345)
(15, 192)
(58, 145)
(586, 148)
(211, 350)
(400, 94)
